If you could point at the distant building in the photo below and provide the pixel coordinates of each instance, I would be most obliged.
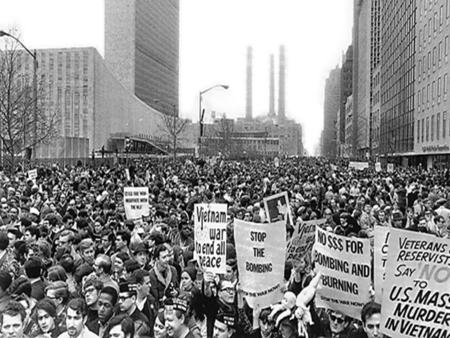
(142, 48)
(331, 108)
(347, 147)
(91, 104)
(346, 91)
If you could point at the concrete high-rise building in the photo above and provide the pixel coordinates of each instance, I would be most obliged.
(361, 76)
(432, 107)
(282, 85)
(331, 108)
(398, 36)
(91, 105)
(142, 48)
(346, 91)
(366, 51)
(272, 88)
(249, 79)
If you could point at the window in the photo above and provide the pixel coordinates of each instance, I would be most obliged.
(428, 93)
(440, 51)
(447, 8)
(441, 15)
(434, 56)
(435, 21)
(445, 83)
(439, 87)
(432, 128)
(433, 90)
(438, 125)
(444, 124)
(418, 131)
(446, 46)
(429, 60)
(430, 27)
(423, 129)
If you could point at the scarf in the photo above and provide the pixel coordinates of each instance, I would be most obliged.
(164, 281)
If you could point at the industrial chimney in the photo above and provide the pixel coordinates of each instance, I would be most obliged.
(248, 110)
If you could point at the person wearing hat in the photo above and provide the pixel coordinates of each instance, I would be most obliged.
(141, 255)
(176, 314)
(127, 306)
(224, 326)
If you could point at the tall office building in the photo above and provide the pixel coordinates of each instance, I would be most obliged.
(249, 96)
(346, 91)
(432, 132)
(398, 34)
(282, 85)
(142, 49)
(331, 109)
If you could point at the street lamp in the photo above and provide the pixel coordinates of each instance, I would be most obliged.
(201, 114)
(35, 66)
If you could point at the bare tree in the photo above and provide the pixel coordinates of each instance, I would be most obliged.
(173, 126)
(21, 127)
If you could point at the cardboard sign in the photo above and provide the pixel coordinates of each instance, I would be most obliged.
(380, 250)
(261, 252)
(416, 297)
(32, 175)
(345, 264)
(302, 241)
(358, 165)
(135, 200)
(378, 167)
(390, 167)
(210, 236)
(277, 208)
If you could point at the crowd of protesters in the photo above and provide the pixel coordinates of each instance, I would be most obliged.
(72, 265)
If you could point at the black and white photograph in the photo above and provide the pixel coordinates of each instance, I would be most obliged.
(224, 169)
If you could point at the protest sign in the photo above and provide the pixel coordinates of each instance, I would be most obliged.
(345, 266)
(380, 250)
(135, 201)
(276, 162)
(32, 175)
(378, 167)
(302, 241)
(260, 253)
(210, 236)
(358, 165)
(416, 296)
(390, 167)
(277, 208)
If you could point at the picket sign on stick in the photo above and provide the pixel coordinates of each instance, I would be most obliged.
(302, 241)
(136, 202)
(261, 252)
(210, 236)
(345, 266)
(380, 252)
(277, 206)
(416, 295)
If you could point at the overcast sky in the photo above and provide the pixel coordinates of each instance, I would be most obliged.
(214, 35)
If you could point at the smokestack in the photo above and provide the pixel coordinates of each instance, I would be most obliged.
(248, 110)
(272, 88)
(281, 85)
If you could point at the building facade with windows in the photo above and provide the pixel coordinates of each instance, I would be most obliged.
(432, 131)
(142, 48)
(90, 103)
(331, 108)
(398, 67)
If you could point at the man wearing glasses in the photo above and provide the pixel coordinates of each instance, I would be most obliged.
(339, 326)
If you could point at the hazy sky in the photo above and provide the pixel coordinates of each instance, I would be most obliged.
(214, 35)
